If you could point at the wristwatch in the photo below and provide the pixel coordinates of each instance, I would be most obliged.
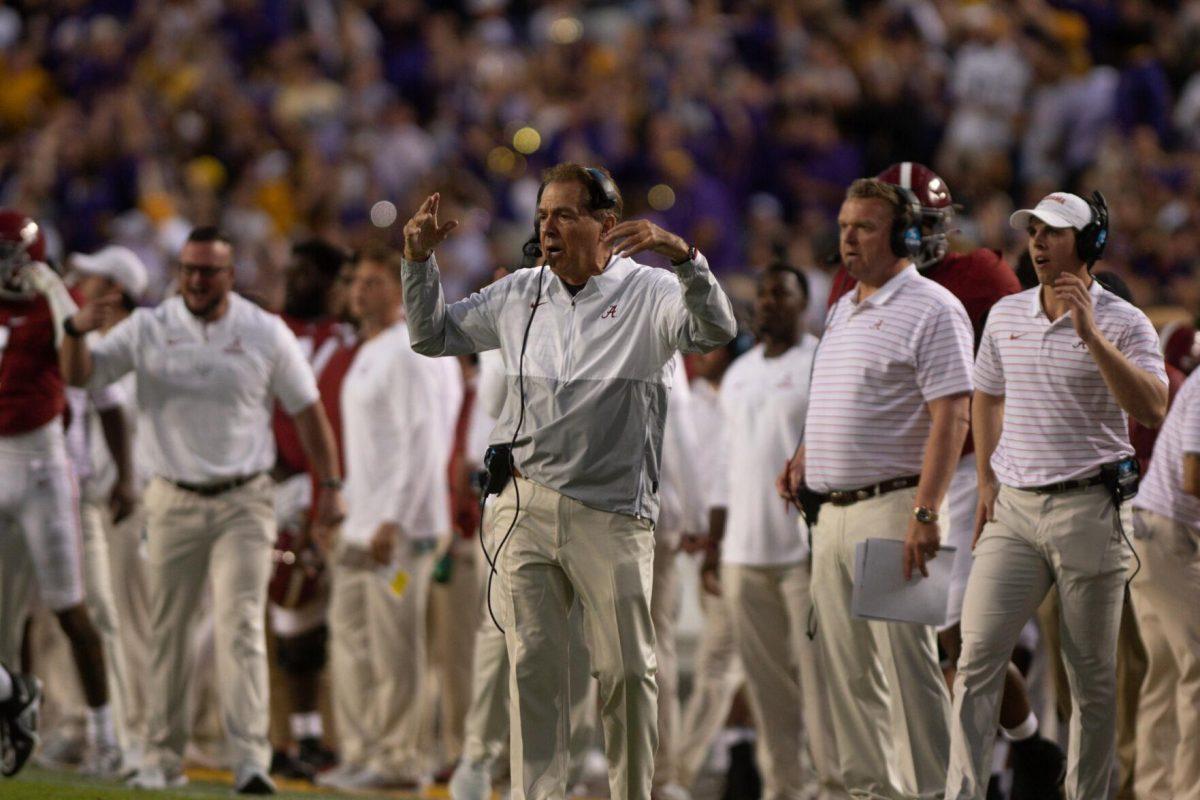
(691, 256)
(925, 515)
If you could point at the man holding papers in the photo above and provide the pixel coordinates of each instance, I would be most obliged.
(886, 421)
(1059, 368)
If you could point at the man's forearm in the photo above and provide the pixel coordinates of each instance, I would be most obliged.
(75, 360)
(947, 432)
(316, 437)
(1139, 393)
(116, 437)
(711, 322)
(431, 328)
(987, 420)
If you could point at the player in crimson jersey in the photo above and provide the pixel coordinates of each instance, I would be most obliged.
(978, 279)
(298, 592)
(40, 537)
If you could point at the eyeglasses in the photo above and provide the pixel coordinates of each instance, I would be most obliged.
(201, 270)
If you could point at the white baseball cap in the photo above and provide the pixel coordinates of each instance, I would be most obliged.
(119, 264)
(1058, 210)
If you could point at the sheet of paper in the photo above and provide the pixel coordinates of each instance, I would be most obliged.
(881, 593)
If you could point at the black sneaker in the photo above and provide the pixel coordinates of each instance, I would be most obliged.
(1039, 769)
(19, 723)
(285, 766)
(253, 782)
(315, 754)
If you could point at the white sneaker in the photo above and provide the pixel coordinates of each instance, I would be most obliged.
(471, 781)
(373, 779)
(670, 791)
(103, 761)
(339, 776)
(156, 778)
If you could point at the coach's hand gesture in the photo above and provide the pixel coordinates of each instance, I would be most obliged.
(1073, 292)
(422, 233)
(637, 235)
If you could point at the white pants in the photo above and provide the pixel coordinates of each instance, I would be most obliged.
(1071, 541)
(41, 540)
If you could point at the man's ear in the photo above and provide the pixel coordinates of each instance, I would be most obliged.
(608, 223)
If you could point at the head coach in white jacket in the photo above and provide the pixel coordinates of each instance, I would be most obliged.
(587, 340)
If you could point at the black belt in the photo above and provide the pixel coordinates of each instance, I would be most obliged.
(848, 497)
(213, 489)
(1066, 486)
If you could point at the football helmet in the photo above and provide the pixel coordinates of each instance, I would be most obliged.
(21, 243)
(937, 207)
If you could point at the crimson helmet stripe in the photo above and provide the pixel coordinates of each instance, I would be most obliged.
(906, 175)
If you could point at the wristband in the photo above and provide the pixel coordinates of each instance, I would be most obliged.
(69, 328)
(331, 483)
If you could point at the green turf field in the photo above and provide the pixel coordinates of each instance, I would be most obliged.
(35, 783)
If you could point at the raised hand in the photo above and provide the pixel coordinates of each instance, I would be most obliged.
(637, 235)
(422, 233)
(1073, 292)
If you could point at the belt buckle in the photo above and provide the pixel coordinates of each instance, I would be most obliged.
(863, 494)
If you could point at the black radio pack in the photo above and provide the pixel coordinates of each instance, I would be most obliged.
(1121, 478)
(497, 467)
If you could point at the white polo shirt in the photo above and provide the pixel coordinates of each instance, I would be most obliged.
(712, 461)
(398, 415)
(880, 362)
(206, 389)
(1162, 487)
(763, 403)
(1061, 422)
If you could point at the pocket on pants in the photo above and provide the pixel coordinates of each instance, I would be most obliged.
(1091, 542)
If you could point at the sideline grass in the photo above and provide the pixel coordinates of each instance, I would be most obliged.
(35, 783)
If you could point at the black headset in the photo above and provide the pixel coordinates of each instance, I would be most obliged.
(906, 227)
(602, 195)
(1091, 240)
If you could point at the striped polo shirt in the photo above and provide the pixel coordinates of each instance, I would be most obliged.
(1060, 420)
(1162, 489)
(880, 361)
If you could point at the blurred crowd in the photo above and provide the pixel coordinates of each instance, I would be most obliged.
(737, 124)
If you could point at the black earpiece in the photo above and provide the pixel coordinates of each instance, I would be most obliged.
(906, 228)
(1090, 242)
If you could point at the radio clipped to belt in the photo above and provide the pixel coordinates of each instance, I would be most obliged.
(1121, 478)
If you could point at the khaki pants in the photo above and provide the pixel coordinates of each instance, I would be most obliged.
(190, 537)
(131, 595)
(769, 608)
(890, 706)
(664, 609)
(559, 550)
(451, 626)
(718, 676)
(377, 656)
(1071, 541)
(1166, 599)
(486, 732)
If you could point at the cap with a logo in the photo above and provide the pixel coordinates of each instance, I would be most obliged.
(119, 264)
(1058, 210)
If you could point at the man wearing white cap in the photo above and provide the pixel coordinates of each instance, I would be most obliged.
(1059, 368)
(111, 513)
